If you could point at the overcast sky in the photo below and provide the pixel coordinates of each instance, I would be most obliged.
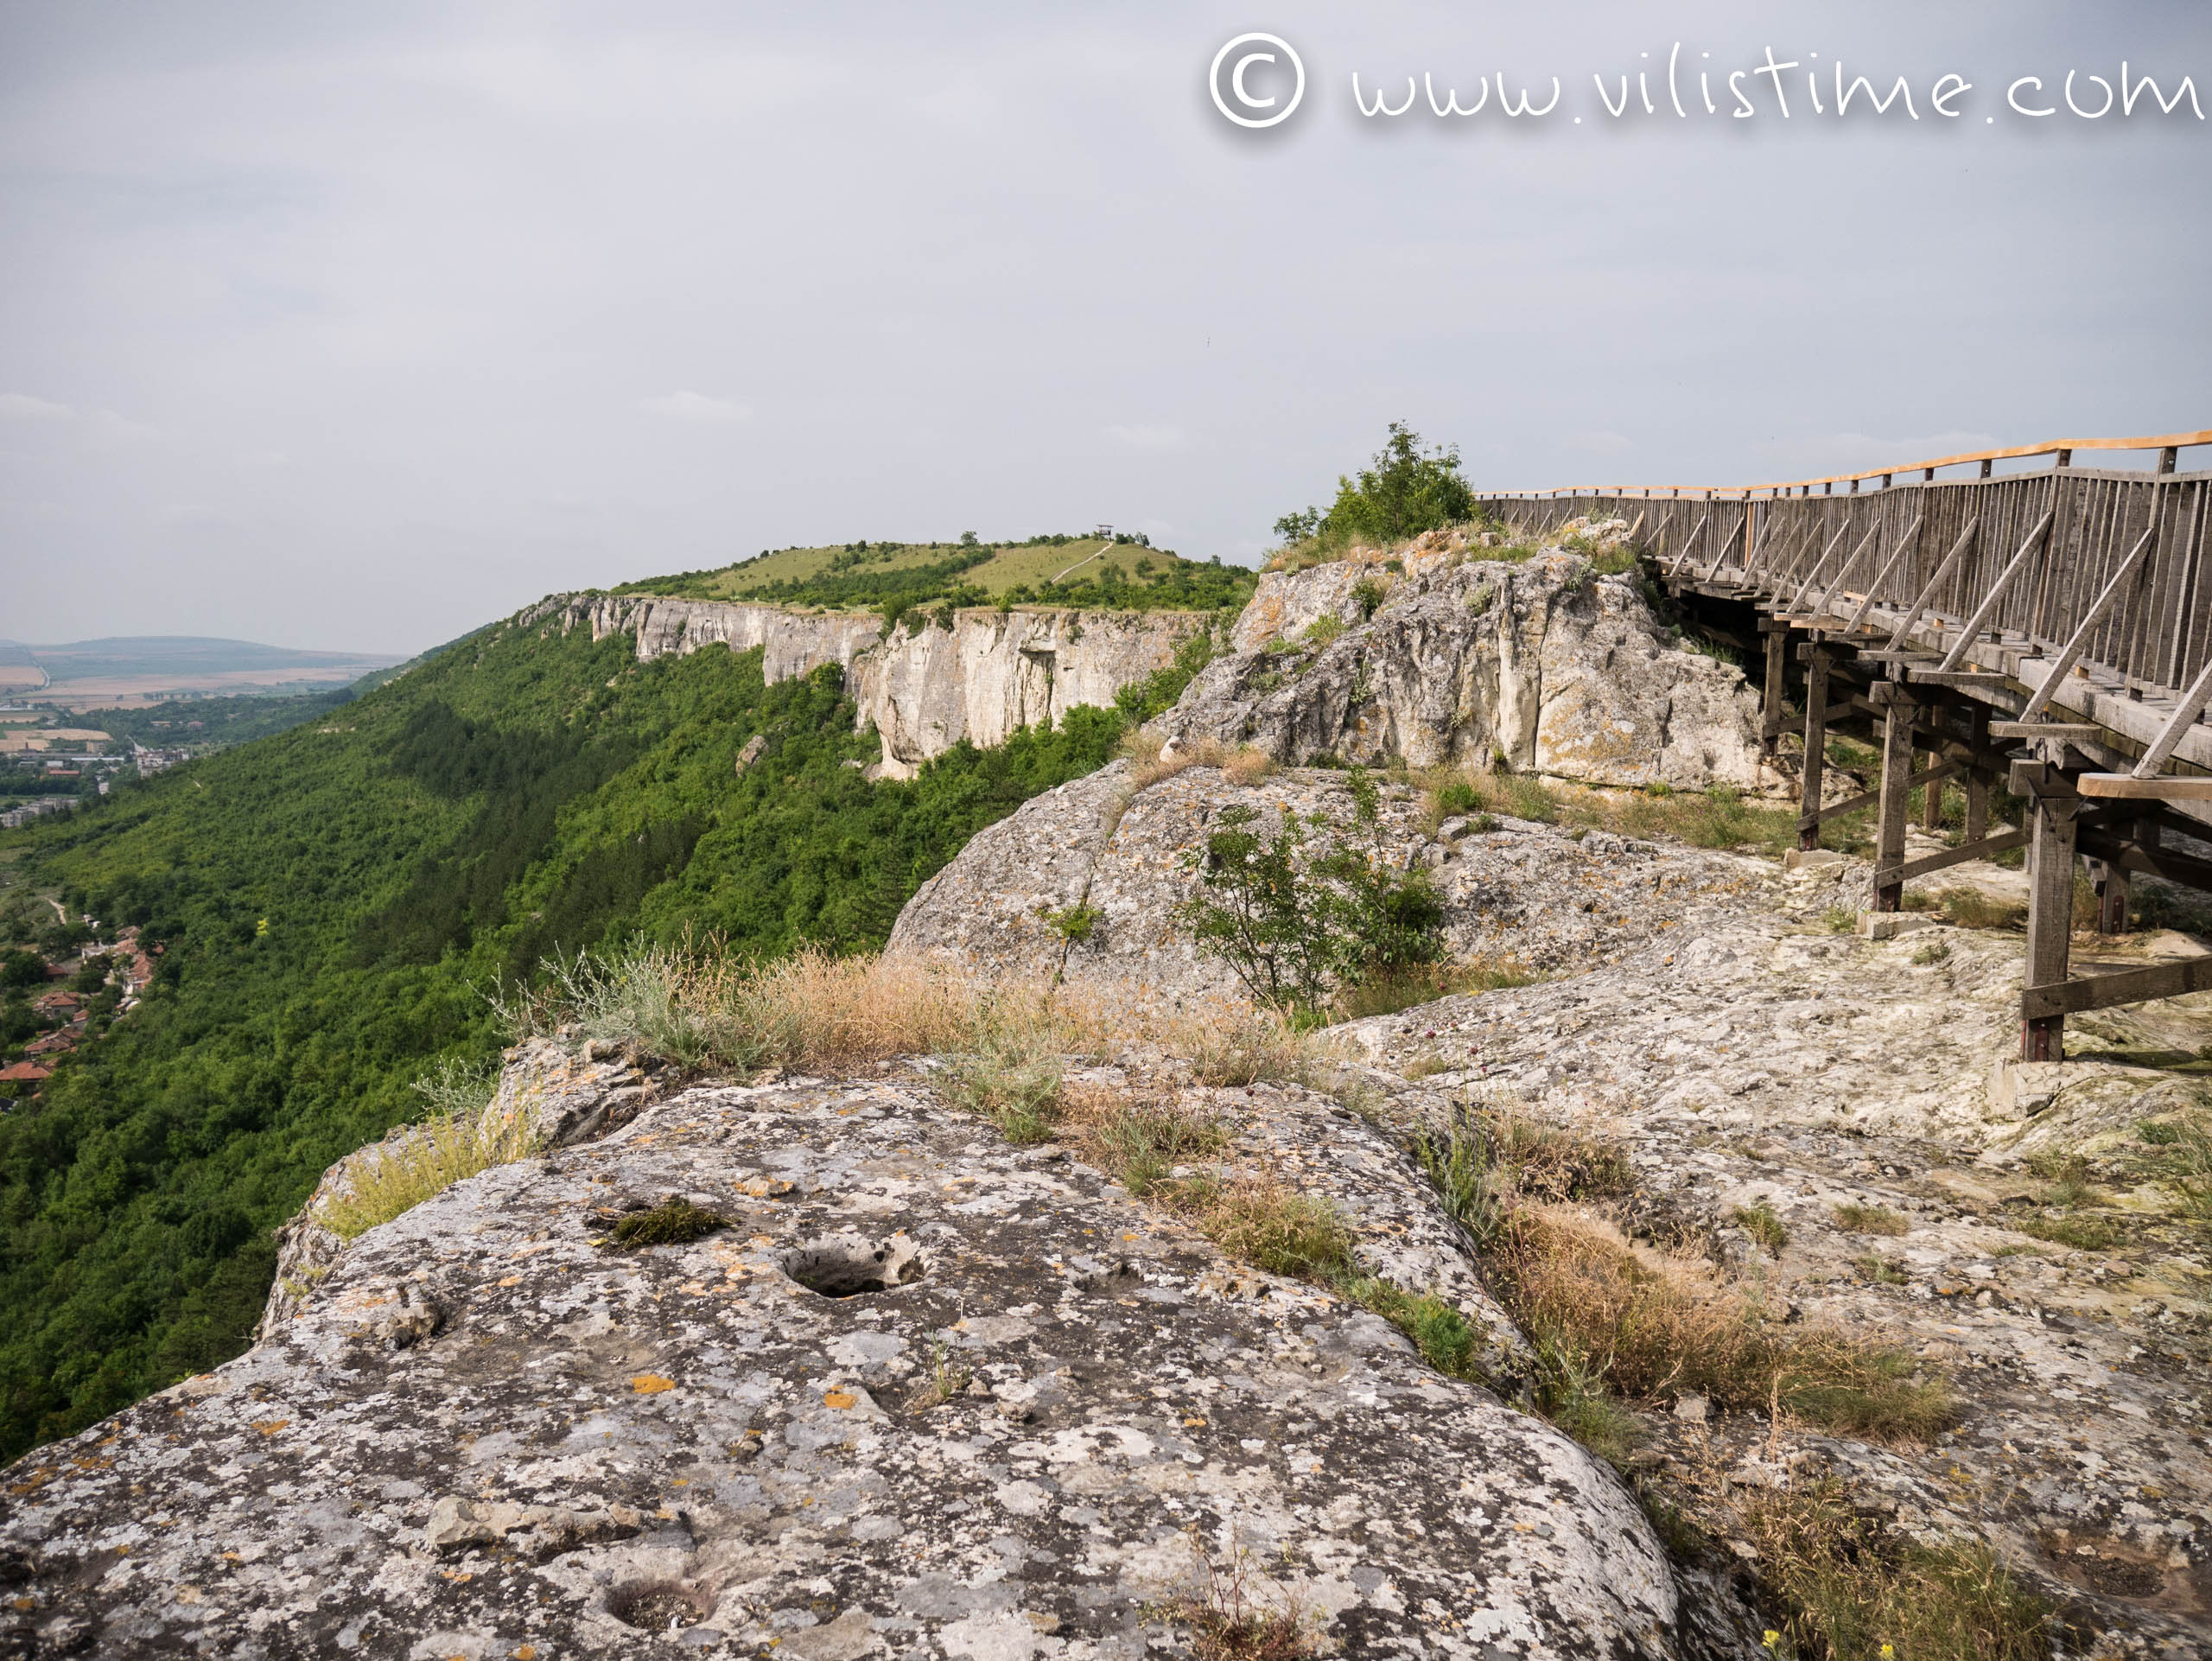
(352, 327)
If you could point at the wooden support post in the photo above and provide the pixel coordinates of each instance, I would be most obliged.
(2051, 916)
(1816, 744)
(1977, 780)
(1778, 642)
(2111, 897)
(1931, 798)
(1896, 798)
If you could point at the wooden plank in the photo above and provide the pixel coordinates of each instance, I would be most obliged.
(2046, 730)
(1928, 863)
(2050, 1001)
(1962, 677)
(2165, 787)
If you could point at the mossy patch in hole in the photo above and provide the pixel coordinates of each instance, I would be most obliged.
(674, 1221)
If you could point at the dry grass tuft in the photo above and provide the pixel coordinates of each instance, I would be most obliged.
(1718, 817)
(1653, 1327)
(811, 1011)
(1263, 1221)
(1871, 1219)
(420, 1162)
(1856, 1593)
(1385, 992)
(1151, 761)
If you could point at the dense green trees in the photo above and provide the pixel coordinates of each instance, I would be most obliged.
(337, 898)
(1407, 490)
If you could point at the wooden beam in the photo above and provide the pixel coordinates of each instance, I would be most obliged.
(2050, 912)
(2143, 857)
(1964, 679)
(1909, 539)
(1778, 641)
(1995, 592)
(2049, 1002)
(1890, 812)
(2165, 787)
(2025, 729)
(1816, 739)
(1867, 798)
(1942, 571)
(1929, 863)
(2071, 653)
(2184, 717)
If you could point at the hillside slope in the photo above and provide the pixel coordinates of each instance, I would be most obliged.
(337, 900)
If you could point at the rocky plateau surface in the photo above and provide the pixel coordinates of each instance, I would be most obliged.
(1759, 1058)
(924, 1394)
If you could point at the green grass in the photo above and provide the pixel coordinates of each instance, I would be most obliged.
(2082, 1233)
(1871, 1219)
(1044, 572)
(1760, 1222)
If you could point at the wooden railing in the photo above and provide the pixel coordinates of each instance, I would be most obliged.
(2029, 555)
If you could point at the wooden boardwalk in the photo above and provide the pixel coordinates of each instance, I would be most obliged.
(2049, 629)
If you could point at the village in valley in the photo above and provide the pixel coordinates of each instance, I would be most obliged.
(73, 982)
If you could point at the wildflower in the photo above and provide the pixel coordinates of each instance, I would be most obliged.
(1772, 1638)
(1889, 1652)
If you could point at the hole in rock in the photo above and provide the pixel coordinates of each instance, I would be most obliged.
(845, 1265)
(657, 1606)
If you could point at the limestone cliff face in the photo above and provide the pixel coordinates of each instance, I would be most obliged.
(1543, 663)
(924, 688)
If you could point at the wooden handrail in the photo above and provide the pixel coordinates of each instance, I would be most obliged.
(2163, 441)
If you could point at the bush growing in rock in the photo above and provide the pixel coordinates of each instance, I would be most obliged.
(1295, 921)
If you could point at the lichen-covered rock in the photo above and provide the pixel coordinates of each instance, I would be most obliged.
(1543, 665)
(1541, 895)
(1864, 1092)
(924, 1394)
(547, 1095)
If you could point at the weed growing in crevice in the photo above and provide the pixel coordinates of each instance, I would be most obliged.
(1871, 1219)
(1760, 1222)
(675, 1220)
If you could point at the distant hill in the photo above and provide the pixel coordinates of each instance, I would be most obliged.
(186, 663)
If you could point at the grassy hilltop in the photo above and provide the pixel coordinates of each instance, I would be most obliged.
(895, 577)
(335, 901)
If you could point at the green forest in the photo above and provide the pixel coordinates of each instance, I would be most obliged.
(337, 898)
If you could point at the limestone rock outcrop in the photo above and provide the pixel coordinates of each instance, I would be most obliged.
(2025, 1228)
(1542, 666)
(926, 687)
(1542, 896)
(924, 1394)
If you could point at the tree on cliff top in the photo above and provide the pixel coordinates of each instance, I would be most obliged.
(1409, 490)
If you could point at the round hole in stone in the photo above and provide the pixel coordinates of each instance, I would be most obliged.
(657, 1606)
(845, 1265)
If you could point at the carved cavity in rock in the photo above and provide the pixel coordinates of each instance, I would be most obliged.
(657, 1606)
(844, 1265)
